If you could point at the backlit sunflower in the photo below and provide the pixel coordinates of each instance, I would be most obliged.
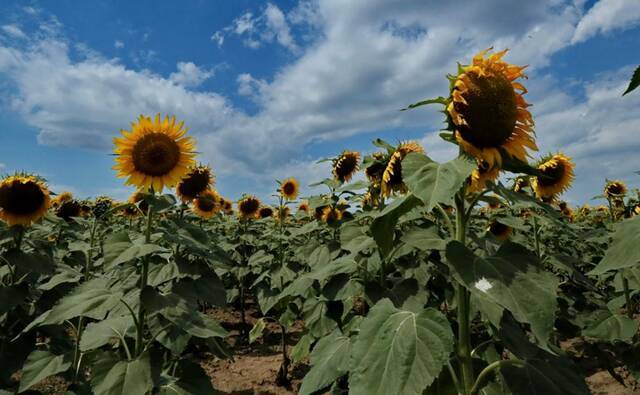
(196, 181)
(207, 204)
(615, 189)
(557, 176)
(499, 230)
(155, 153)
(304, 207)
(61, 198)
(477, 182)
(248, 207)
(289, 189)
(346, 165)
(392, 177)
(69, 209)
(331, 215)
(488, 111)
(137, 198)
(376, 167)
(227, 206)
(24, 199)
(265, 212)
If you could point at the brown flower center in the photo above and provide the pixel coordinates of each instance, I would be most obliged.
(288, 188)
(21, 198)
(194, 184)
(249, 206)
(551, 174)
(156, 154)
(266, 212)
(346, 166)
(206, 204)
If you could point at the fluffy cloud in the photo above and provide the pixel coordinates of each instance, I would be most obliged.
(13, 31)
(190, 75)
(605, 16)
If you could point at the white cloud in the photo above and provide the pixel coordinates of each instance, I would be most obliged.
(249, 86)
(190, 75)
(218, 38)
(118, 44)
(605, 16)
(13, 31)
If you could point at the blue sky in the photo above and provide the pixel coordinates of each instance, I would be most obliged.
(270, 88)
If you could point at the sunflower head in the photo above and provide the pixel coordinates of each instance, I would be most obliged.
(557, 176)
(303, 207)
(69, 209)
(248, 207)
(392, 177)
(346, 165)
(265, 212)
(154, 153)
(283, 213)
(61, 198)
(477, 182)
(207, 204)
(138, 198)
(289, 189)
(227, 206)
(636, 210)
(85, 208)
(615, 189)
(499, 230)
(377, 163)
(197, 180)
(520, 184)
(488, 111)
(568, 213)
(331, 215)
(24, 199)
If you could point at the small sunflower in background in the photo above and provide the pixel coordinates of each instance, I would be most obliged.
(375, 169)
(207, 204)
(155, 153)
(248, 207)
(557, 176)
(615, 189)
(488, 109)
(265, 212)
(636, 210)
(69, 209)
(520, 184)
(289, 189)
(499, 230)
(392, 180)
(317, 212)
(61, 198)
(303, 207)
(346, 165)
(138, 199)
(331, 215)
(197, 180)
(227, 206)
(477, 182)
(24, 199)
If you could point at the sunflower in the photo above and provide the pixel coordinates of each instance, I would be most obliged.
(289, 189)
(227, 206)
(331, 215)
(61, 198)
(346, 165)
(479, 177)
(155, 153)
(24, 199)
(138, 199)
(207, 204)
(636, 210)
(499, 230)
(375, 170)
(283, 213)
(568, 212)
(248, 207)
(304, 207)
(265, 212)
(69, 209)
(196, 181)
(615, 189)
(488, 111)
(520, 184)
(557, 176)
(317, 212)
(85, 209)
(392, 177)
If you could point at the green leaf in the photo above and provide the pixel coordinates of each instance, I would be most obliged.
(97, 334)
(611, 327)
(329, 361)
(437, 100)
(40, 365)
(623, 251)
(513, 279)
(132, 252)
(191, 380)
(433, 182)
(301, 350)
(257, 330)
(635, 81)
(399, 352)
(112, 376)
(383, 226)
(12, 295)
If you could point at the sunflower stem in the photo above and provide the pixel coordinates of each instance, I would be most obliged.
(143, 283)
(536, 235)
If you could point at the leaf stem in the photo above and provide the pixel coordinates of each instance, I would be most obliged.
(484, 375)
(143, 283)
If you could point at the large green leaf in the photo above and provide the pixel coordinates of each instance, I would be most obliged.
(513, 279)
(610, 327)
(112, 376)
(12, 295)
(635, 81)
(434, 182)
(383, 226)
(40, 365)
(329, 361)
(399, 352)
(191, 380)
(623, 251)
(97, 334)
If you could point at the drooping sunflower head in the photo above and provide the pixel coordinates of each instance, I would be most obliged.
(155, 153)
(346, 165)
(520, 184)
(289, 188)
(138, 198)
(557, 176)
(303, 207)
(61, 198)
(197, 180)
(392, 180)
(477, 182)
(265, 212)
(24, 199)
(248, 207)
(377, 162)
(615, 189)
(488, 110)
(499, 230)
(331, 215)
(207, 204)
(69, 209)
(85, 208)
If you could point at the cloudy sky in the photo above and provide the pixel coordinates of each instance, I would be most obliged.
(268, 89)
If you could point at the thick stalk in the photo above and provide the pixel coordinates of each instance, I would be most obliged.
(283, 378)
(464, 300)
(143, 283)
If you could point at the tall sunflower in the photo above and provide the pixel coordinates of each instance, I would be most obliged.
(557, 176)
(265, 212)
(207, 204)
(24, 199)
(615, 189)
(346, 165)
(488, 110)
(289, 189)
(392, 176)
(248, 207)
(155, 153)
(477, 182)
(331, 215)
(197, 180)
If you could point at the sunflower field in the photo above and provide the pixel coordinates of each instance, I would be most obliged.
(405, 276)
